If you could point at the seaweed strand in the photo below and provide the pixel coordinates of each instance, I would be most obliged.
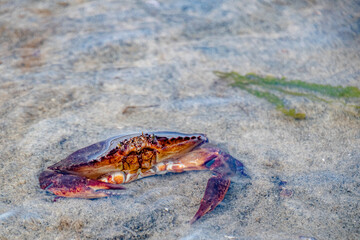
(289, 87)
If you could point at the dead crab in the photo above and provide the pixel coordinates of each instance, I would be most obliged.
(91, 171)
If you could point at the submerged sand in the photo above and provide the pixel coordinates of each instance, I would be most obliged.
(74, 73)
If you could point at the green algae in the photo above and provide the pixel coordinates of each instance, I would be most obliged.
(265, 86)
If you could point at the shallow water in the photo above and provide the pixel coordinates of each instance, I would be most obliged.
(75, 73)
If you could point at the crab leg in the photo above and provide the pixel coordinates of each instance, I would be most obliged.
(67, 185)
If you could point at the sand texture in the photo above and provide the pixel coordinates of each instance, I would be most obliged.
(73, 73)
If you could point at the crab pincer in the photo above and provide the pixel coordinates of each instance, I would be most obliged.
(223, 167)
(68, 185)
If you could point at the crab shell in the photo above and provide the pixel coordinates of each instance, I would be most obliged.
(128, 153)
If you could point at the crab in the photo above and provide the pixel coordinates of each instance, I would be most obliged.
(95, 171)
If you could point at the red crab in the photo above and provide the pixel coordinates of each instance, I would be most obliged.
(90, 171)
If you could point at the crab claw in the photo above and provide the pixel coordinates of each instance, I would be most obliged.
(221, 164)
(66, 185)
(216, 189)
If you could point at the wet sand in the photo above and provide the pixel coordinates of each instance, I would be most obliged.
(75, 73)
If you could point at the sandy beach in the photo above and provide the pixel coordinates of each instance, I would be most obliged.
(73, 73)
